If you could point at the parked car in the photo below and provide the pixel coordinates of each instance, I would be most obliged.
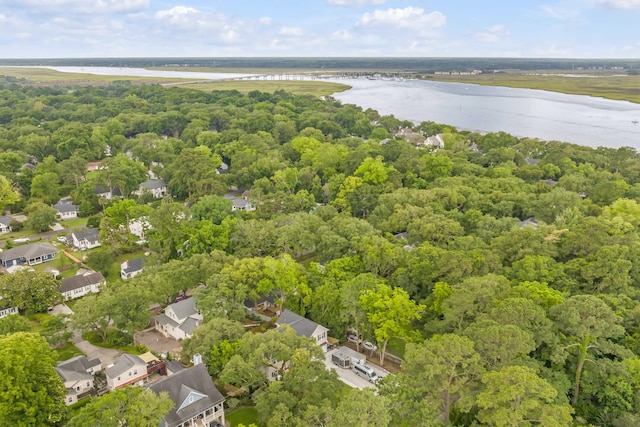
(369, 346)
(354, 339)
(62, 239)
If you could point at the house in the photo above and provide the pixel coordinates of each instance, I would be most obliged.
(82, 284)
(65, 209)
(529, 222)
(131, 268)
(197, 401)
(223, 169)
(105, 192)
(5, 224)
(88, 238)
(156, 187)
(239, 204)
(262, 304)
(95, 166)
(435, 141)
(128, 369)
(77, 375)
(139, 227)
(304, 327)
(32, 254)
(179, 319)
(7, 309)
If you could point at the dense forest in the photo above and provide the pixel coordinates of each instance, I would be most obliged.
(503, 271)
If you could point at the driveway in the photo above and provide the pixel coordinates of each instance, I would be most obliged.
(106, 355)
(61, 309)
(349, 377)
(157, 342)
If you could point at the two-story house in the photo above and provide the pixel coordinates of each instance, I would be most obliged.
(239, 203)
(131, 268)
(139, 227)
(157, 188)
(179, 319)
(82, 284)
(197, 401)
(77, 375)
(305, 327)
(31, 254)
(128, 369)
(65, 209)
(88, 238)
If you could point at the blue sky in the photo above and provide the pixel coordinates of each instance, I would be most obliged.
(408, 28)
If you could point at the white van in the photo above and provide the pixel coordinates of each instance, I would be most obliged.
(365, 372)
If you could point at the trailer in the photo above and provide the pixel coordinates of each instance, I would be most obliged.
(341, 359)
(356, 357)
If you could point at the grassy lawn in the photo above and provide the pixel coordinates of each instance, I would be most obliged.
(246, 416)
(397, 346)
(74, 223)
(60, 262)
(114, 271)
(37, 321)
(68, 351)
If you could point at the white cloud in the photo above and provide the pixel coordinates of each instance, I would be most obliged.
(265, 20)
(559, 14)
(412, 19)
(356, 3)
(80, 6)
(492, 34)
(620, 4)
(290, 32)
(341, 35)
(177, 14)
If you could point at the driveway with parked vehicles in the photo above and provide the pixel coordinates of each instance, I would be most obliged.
(349, 377)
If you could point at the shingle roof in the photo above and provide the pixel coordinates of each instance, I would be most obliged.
(301, 325)
(153, 183)
(124, 362)
(163, 319)
(88, 234)
(180, 385)
(184, 308)
(32, 250)
(62, 207)
(76, 369)
(189, 325)
(133, 265)
(80, 281)
(5, 220)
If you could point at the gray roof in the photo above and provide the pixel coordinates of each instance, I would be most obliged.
(531, 161)
(64, 206)
(88, 234)
(189, 325)
(180, 385)
(301, 325)
(76, 369)
(153, 183)
(238, 202)
(5, 220)
(174, 366)
(80, 281)
(163, 319)
(133, 265)
(124, 362)
(30, 251)
(529, 222)
(184, 308)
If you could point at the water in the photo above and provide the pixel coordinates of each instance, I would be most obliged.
(539, 114)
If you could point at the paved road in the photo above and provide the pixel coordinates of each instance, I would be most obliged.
(349, 377)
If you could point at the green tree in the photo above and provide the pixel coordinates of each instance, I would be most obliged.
(41, 217)
(30, 291)
(129, 406)
(101, 260)
(516, 396)
(8, 195)
(123, 173)
(211, 335)
(13, 324)
(361, 408)
(46, 185)
(391, 312)
(31, 391)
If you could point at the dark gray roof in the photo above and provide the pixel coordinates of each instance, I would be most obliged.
(5, 220)
(65, 206)
(163, 319)
(133, 265)
(153, 183)
(174, 366)
(80, 281)
(184, 308)
(529, 222)
(180, 385)
(301, 325)
(32, 250)
(189, 325)
(76, 369)
(88, 234)
(124, 362)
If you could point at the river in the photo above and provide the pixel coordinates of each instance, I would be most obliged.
(531, 113)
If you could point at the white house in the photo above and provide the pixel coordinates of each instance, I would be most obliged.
(82, 284)
(65, 209)
(156, 187)
(139, 227)
(77, 375)
(6, 309)
(128, 369)
(240, 203)
(197, 401)
(131, 268)
(88, 238)
(5, 224)
(305, 327)
(179, 319)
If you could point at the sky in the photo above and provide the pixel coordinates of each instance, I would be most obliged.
(314, 28)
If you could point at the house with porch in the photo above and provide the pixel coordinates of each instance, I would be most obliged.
(77, 375)
(131, 268)
(305, 327)
(128, 369)
(88, 238)
(81, 285)
(239, 203)
(179, 319)
(65, 209)
(197, 401)
(5, 224)
(31, 254)
(157, 188)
